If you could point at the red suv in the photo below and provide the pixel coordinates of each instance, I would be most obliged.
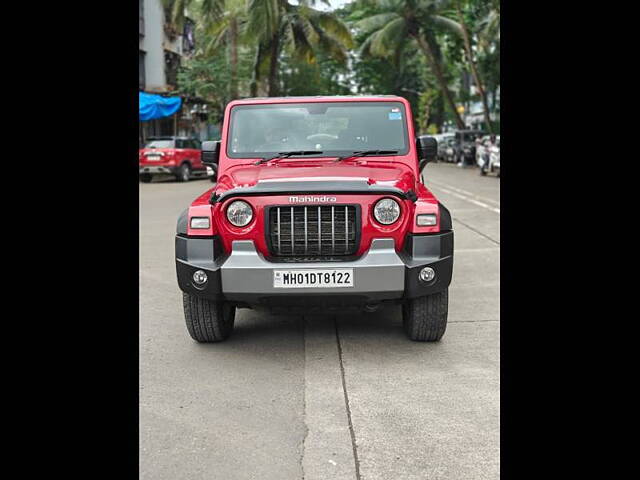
(320, 206)
(177, 156)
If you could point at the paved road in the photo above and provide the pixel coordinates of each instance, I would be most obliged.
(324, 397)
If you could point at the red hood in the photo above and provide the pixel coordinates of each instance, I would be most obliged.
(385, 173)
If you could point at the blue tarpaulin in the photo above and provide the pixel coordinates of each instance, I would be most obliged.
(155, 106)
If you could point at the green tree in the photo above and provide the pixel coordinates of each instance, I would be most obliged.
(301, 30)
(461, 28)
(418, 21)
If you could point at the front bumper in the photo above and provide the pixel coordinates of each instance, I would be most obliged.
(171, 170)
(245, 277)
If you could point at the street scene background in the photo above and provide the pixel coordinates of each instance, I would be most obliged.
(443, 56)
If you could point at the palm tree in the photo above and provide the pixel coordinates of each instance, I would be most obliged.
(221, 20)
(300, 29)
(414, 20)
(461, 29)
(223, 24)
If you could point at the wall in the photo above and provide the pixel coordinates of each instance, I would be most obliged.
(152, 44)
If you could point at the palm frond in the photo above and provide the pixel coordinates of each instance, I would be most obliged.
(211, 9)
(331, 25)
(376, 22)
(389, 38)
(264, 17)
(447, 24)
(217, 33)
(302, 47)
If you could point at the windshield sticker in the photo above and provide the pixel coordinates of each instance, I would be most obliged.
(395, 116)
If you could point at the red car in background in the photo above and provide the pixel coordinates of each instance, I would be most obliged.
(177, 156)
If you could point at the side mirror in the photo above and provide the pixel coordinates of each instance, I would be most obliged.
(210, 153)
(427, 148)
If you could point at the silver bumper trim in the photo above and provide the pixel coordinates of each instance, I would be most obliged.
(379, 270)
(155, 169)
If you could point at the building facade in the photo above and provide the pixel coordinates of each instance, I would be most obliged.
(162, 48)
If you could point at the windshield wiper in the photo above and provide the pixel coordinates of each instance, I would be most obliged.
(287, 155)
(364, 153)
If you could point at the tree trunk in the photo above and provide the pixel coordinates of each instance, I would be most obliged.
(233, 46)
(429, 52)
(437, 113)
(273, 66)
(474, 71)
(256, 77)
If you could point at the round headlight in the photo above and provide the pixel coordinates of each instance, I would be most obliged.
(386, 211)
(239, 213)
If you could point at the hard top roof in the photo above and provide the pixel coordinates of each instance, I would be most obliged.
(319, 98)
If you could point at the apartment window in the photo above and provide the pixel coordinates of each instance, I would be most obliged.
(172, 63)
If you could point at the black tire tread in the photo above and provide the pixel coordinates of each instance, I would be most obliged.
(425, 318)
(179, 175)
(207, 321)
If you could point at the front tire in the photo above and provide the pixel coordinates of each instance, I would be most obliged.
(208, 321)
(184, 174)
(425, 318)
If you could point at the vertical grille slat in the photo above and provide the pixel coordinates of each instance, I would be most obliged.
(305, 229)
(293, 223)
(278, 227)
(333, 239)
(346, 227)
(312, 231)
(320, 230)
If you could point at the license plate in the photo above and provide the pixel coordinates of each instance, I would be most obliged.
(153, 158)
(317, 278)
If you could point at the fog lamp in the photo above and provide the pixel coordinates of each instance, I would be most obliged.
(427, 274)
(199, 277)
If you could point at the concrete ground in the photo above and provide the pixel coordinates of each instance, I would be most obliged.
(331, 397)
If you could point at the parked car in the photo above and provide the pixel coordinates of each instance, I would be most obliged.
(465, 146)
(319, 207)
(448, 150)
(444, 141)
(493, 154)
(177, 156)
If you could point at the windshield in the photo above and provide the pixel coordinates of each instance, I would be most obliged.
(159, 144)
(336, 128)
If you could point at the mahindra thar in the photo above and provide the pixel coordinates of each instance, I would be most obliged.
(319, 206)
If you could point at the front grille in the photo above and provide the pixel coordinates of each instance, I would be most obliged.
(313, 230)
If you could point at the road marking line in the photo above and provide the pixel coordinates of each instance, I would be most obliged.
(465, 250)
(471, 200)
(477, 231)
(465, 192)
(476, 199)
